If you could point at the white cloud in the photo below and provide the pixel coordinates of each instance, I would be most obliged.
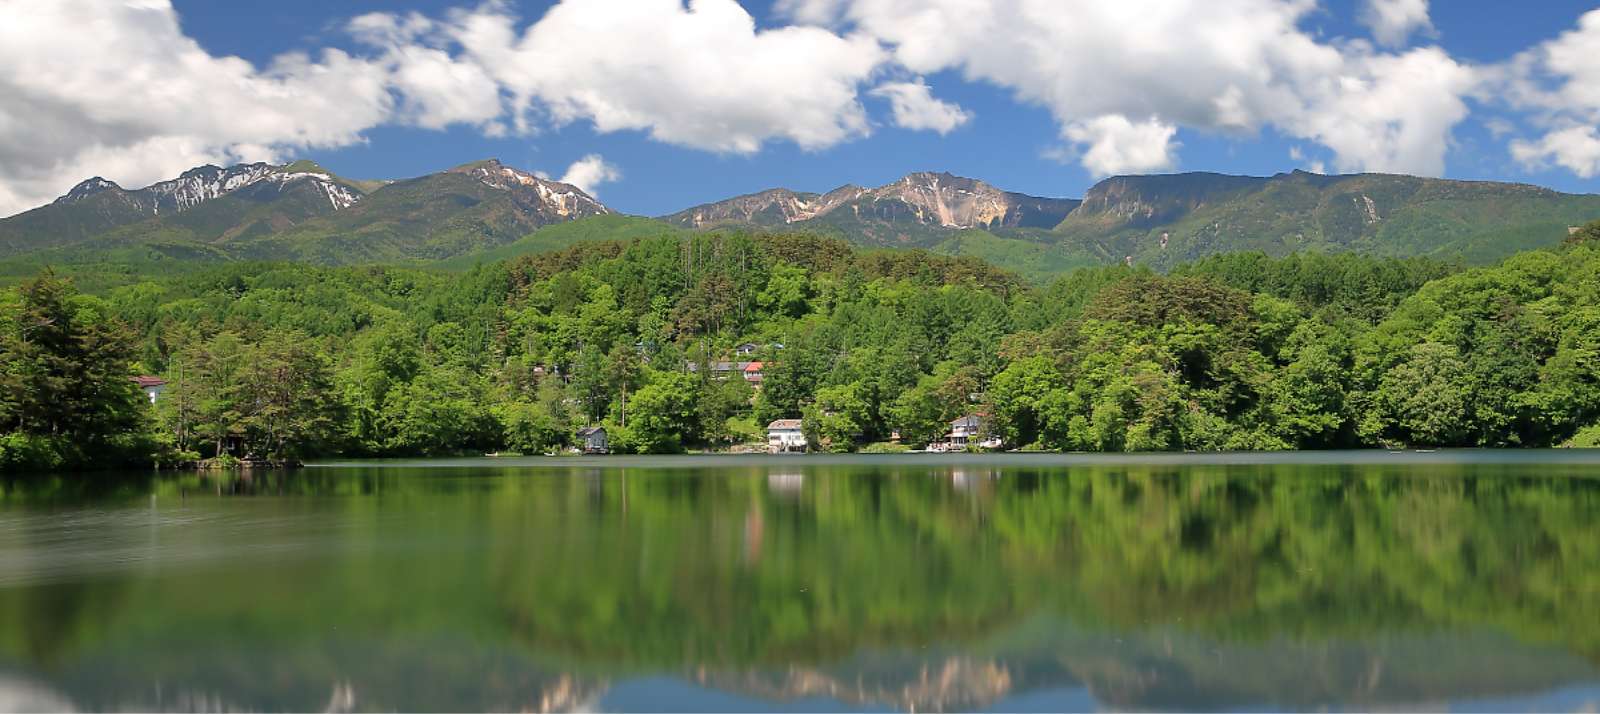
(117, 89)
(1233, 66)
(589, 172)
(1393, 21)
(434, 89)
(97, 87)
(1576, 148)
(1558, 84)
(915, 107)
(1111, 144)
(1387, 112)
(700, 76)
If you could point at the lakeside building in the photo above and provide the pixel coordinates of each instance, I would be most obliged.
(785, 435)
(593, 440)
(969, 430)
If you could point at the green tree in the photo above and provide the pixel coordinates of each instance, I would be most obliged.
(1423, 401)
(664, 414)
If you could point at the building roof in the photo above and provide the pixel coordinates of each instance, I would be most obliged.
(970, 421)
(752, 367)
(146, 381)
(591, 430)
(784, 424)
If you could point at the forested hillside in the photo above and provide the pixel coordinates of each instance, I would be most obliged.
(1239, 351)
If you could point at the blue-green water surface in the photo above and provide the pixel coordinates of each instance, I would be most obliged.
(1462, 580)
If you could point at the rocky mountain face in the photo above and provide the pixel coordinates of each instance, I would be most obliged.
(772, 207)
(1148, 200)
(301, 211)
(97, 207)
(916, 202)
(189, 189)
(467, 209)
(544, 200)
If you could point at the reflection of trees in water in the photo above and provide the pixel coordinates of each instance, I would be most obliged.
(779, 582)
(883, 557)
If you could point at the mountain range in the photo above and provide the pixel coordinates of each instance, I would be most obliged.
(486, 210)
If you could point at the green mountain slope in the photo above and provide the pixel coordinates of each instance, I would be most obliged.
(1165, 220)
(563, 235)
(69, 222)
(278, 201)
(467, 209)
(485, 211)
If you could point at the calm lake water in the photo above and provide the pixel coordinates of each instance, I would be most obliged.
(1452, 580)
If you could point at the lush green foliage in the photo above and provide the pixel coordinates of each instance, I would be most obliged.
(66, 394)
(1234, 352)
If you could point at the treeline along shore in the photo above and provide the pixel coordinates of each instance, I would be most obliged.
(653, 339)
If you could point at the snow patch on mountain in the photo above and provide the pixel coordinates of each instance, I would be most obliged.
(204, 183)
(87, 188)
(560, 199)
(339, 195)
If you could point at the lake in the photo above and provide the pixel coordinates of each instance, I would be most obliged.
(1460, 580)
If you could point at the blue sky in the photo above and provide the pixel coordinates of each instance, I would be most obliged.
(1054, 142)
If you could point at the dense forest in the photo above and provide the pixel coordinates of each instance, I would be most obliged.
(873, 349)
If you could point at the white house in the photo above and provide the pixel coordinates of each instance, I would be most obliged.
(969, 430)
(785, 435)
(152, 386)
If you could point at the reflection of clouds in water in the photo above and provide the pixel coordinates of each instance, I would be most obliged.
(785, 484)
(97, 542)
(18, 695)
(951, 684)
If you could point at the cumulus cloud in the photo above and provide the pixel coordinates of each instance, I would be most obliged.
(1558, 84)
(1112, 144)
(1575, 148)
(1230, 66)
(915, 107)
(1393, 21)
(99, 87)
(700, 75)
(434, 90)
(589, 172)
(117, 89)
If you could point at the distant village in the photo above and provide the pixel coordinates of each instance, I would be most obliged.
(968, 432)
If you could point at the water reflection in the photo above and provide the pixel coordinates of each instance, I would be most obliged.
(809, 584)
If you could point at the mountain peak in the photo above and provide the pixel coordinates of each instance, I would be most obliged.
(471, 166)
(934, 176)
(88, 187)
(552, 200)
(924, 198)
(304, 166)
